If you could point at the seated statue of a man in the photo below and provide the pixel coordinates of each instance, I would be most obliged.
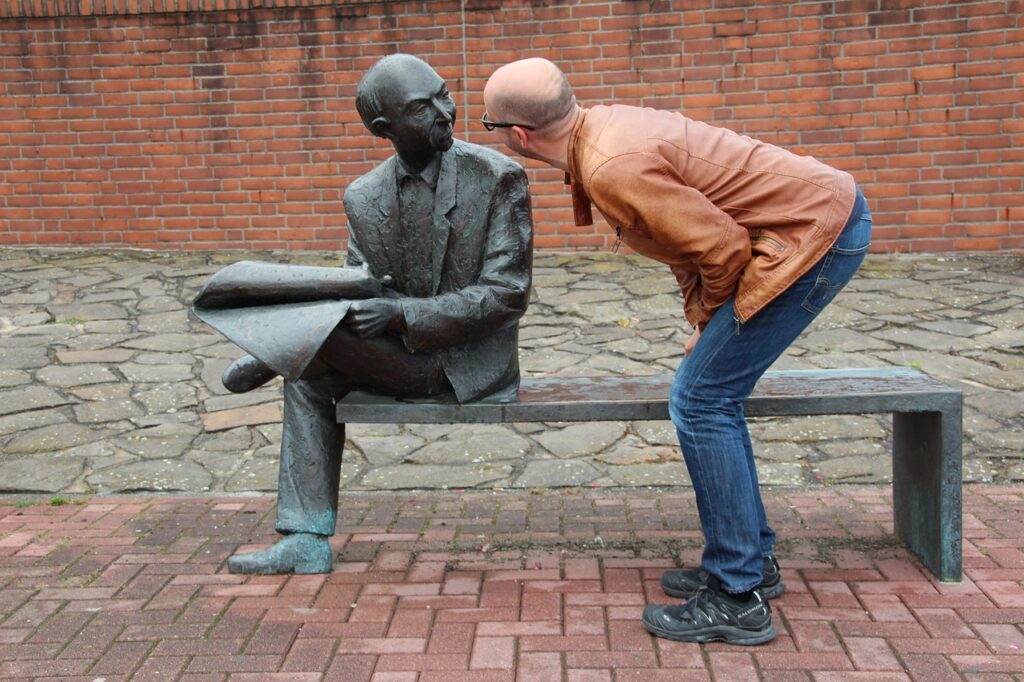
(440, 246)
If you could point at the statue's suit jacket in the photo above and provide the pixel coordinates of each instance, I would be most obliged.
(481, 248)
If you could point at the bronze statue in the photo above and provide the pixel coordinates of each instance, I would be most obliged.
(437, 277)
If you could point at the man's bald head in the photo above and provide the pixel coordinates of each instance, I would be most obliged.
(530, 91)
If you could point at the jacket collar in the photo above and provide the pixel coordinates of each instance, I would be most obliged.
(580, 201)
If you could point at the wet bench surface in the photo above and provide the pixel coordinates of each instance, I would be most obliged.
(927, 429)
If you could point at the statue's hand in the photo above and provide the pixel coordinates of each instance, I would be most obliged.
(374, 316)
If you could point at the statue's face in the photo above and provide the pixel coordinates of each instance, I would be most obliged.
(420, 113)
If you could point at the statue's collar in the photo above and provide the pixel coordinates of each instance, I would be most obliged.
(429, 174)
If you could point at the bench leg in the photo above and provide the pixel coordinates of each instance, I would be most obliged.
(927, 494)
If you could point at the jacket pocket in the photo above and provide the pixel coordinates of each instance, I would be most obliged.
(764, 243)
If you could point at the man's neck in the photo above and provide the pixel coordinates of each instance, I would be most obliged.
(553, 148)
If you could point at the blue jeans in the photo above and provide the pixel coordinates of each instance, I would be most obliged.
(706, 406)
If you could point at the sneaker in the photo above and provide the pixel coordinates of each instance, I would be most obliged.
(684, 584)
(713, 616)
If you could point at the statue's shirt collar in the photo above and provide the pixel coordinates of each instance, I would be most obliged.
(429, 174)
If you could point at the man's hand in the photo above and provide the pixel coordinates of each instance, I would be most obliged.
(373, 316)
(691, 342)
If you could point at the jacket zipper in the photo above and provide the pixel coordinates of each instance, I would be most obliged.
(778, 245)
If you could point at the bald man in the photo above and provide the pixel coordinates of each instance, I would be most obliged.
(760, 240)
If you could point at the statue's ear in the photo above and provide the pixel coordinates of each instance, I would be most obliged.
(381, 127)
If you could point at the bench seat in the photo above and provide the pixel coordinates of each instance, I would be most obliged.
(927, 423)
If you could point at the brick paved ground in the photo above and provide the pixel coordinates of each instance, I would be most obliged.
(492, 586)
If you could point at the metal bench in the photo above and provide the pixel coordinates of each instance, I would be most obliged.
(927, 422)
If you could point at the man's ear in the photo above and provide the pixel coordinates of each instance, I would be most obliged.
(522, 135)
(381, 127)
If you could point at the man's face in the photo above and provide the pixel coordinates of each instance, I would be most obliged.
(420, 113)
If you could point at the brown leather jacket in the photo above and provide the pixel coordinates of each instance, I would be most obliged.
(729, 214)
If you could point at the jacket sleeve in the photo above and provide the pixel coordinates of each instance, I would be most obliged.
(500, 290)
(354, 255)
(706, 249)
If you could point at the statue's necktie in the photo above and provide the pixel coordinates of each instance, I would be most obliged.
(417, 221)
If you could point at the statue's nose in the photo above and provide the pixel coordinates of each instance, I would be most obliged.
(445, 110)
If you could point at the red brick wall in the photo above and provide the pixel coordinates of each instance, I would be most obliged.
(210, 124)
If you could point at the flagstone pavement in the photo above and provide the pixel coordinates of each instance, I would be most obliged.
(108, 385)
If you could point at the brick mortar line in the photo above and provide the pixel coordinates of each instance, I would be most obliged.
(34, 9)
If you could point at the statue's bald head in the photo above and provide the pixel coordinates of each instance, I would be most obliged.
(531, 91)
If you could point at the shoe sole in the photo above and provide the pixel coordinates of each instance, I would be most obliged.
(721, 633)
(772, 592)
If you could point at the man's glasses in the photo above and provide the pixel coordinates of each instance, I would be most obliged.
(491, 125)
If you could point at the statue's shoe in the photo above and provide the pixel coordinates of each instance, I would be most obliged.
(245, 374)
(296, 553)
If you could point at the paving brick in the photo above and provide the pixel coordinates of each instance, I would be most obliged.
(36, 668)
(566, 643)
(871, 653)
(975, 664)
(422, 662)
(38, 651)
(467, 676)
(161, 668)
(15, 635)
(516, 629)
(540, 667)
(813, 636)
(493, 652)
(930, 667)
(309, 655)
(582, 569)
(478, 615)
(584, 620)
(411, 623)
(677, 655)
(612, 660)
(732, 666)
(859, 676)
(451, 638)
(395, 677)
(351, 668)
(227, 664)
(799, 661)
(391, 645)
(466, 584)
(370, 609)
(943, 623)
(498, 593)
(936, 645)
(833, 594)
(199, 647)
(602, 599)
(887, 608)
(61, 628)
(540, 606)
(588, 675)
(785, 676)
(1004, 593)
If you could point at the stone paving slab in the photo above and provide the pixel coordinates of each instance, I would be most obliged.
(107, 385)
(484, 586)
